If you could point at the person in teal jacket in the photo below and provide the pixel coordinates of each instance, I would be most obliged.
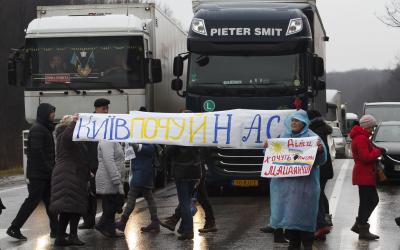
(295, 200)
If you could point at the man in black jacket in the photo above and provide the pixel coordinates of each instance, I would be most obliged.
(101, 107)
(41, 160)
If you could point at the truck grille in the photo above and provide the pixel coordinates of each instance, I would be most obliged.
(239, 161)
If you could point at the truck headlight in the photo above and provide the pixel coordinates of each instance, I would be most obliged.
(295, 26)
(199, 26)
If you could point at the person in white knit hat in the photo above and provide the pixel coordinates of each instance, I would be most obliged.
(365, 156)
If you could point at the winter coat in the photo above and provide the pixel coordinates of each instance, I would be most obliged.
(295, 200)
(111, 166)
(185, 162)
(142, 166)
(319, 126)
(365, 157)
(40, 145)
(71, 174)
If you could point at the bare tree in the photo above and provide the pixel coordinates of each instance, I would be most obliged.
(392, 17)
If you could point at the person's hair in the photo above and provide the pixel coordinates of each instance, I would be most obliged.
(142, 108)
(66, 120)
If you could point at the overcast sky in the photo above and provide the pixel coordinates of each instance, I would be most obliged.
(357, 38)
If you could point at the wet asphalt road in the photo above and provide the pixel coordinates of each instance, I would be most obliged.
(239, 214)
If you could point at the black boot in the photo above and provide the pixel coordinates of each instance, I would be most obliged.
(267, 229)
(279, 237)
(365, 234)
(169, 222)
(209, 226)
(186, 236)
(62, 241)
(15, 233)
(74, 240)
(153, 227)
(355, 228)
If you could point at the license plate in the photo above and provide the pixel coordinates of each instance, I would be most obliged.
(245, 183)
(397, 168)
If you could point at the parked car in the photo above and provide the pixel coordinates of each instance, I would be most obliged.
(387, 135)
(339, 142)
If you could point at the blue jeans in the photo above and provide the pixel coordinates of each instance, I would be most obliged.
(185, 190)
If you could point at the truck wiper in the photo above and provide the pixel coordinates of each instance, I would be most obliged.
(68, 86)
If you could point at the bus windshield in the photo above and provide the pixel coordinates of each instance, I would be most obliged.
(85, 62)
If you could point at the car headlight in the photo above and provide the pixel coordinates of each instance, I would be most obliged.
(199, 26)
(295, 26)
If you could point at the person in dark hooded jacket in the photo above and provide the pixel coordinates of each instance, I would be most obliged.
(41, 158)
(319, 126)
(69, 182)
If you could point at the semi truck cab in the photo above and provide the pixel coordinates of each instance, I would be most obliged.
(251, 55)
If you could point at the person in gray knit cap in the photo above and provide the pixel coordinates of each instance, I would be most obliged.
(365, 156)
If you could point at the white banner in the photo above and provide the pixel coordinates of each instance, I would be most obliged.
(289, 157)
(239, 128)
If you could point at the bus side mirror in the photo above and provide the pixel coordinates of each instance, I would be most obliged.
(176, 84)
(319, 68)
(156, 70)
(178, 66)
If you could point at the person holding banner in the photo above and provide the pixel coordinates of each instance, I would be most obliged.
(69, 182)
(365, 156)
(295, 200)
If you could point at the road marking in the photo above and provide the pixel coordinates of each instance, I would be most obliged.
(337, 189)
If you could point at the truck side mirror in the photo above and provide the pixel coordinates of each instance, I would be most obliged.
(16, 68)
(319, 68)
(320, 85)
(12, 70)
(176, 84)
(156, 70)
(178, 66)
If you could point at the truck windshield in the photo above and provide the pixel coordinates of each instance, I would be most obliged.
(384, 112)
(257, 71)
(85, 62)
